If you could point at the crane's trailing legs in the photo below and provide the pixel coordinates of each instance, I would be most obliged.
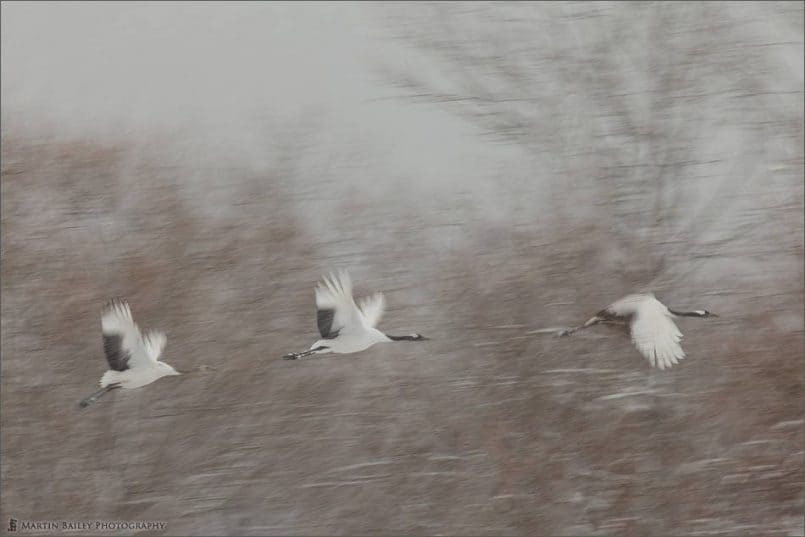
(297, 355)
(97, 395)
(592, 322)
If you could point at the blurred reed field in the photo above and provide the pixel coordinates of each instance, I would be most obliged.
(502, 167)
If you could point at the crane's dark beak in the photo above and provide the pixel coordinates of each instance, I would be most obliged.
(714, 315)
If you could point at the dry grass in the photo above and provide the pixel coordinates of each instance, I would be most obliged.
(481, 431)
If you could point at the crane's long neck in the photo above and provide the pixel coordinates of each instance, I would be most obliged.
(686, 313)
(403, 338)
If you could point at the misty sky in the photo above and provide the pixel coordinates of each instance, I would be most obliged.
(230, 74)
(254, 83)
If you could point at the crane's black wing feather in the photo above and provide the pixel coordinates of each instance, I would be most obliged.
(117, 357)
(324, 318)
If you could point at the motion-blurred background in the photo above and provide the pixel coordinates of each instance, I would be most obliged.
(493, 168)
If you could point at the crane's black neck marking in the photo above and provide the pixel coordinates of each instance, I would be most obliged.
(415, 337)
(686, 313)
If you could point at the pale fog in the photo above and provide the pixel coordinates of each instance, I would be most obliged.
(494, 169)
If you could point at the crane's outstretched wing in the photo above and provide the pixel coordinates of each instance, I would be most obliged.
(372, 308)
(154, 342)
(336, 309)
(656, 336)
(324, 320)
(122, 341)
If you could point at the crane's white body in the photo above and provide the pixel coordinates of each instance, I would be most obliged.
(652, 328)
(349, 343)
(347, 326)
(352, 324)
(133, 357)
(137, 378)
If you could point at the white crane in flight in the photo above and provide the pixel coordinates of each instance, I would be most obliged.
(133, 357)
(345, 326)
(650, 323)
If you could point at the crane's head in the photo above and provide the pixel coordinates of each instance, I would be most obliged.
(704, 313)
(418, 337)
